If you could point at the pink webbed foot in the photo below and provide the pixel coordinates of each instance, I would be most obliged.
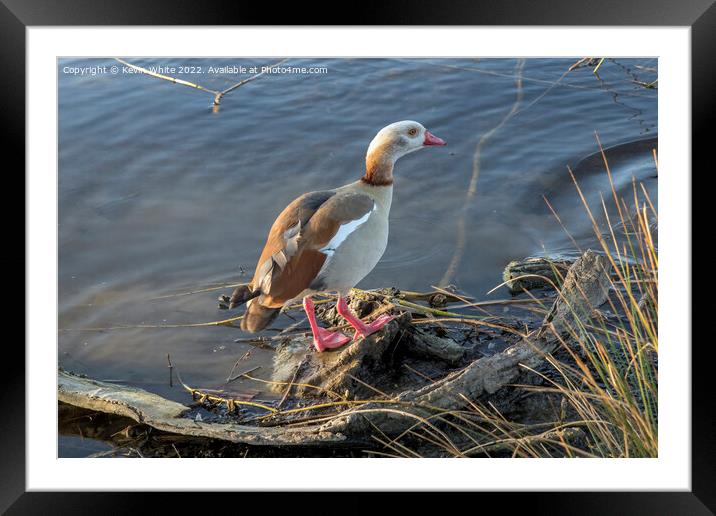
(370, 328)
(324, 339)
(362, 329)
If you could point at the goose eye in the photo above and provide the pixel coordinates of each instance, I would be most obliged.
(413, 131)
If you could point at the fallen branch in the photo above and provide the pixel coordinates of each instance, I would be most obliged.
(218, 95)
(165, 77)
(163, 414)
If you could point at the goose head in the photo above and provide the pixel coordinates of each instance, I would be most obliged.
(392, 143)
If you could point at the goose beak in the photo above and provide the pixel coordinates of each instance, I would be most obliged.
(431, 139)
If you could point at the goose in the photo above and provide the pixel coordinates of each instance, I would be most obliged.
(327, 241)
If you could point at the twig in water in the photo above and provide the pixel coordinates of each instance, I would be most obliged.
(463, 320)
(472, 188)
(165, 77)
(588, 61)
(217, 98)
(203, 396)
(530, 79)
(207, 289)
(465, 300)
(243, 357)
(596, 68)
(231, 379)
(498, 302)
(578, 63)
(556, 216)
(263, 342)
(225, 322)
(217, 94)
(450, 297)
(171, 371)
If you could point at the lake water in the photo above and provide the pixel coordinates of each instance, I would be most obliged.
(159, 196)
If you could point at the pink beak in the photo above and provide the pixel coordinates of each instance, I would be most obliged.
(431, 139)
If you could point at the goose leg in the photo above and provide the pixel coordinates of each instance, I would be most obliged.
(322, 338)
(362, 329)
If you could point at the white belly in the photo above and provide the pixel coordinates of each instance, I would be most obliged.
(357, 255)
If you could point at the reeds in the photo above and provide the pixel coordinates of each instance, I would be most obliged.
(605, 371)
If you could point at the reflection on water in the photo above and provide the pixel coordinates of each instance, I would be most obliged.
(158, 195)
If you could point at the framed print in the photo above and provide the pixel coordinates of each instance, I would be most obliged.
(440, 236)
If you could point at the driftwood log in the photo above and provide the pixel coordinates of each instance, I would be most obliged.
(585, 287)
(169, 416)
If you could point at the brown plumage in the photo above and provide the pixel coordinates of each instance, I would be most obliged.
(292, 257)
(257, 316)
(379, 167)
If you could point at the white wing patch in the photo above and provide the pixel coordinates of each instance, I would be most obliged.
(343, 231)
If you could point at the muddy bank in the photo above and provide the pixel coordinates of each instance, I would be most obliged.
(428, 367)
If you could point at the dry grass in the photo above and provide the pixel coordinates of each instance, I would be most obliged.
(605, 372)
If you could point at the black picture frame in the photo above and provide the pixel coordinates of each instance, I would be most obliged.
(700, 15)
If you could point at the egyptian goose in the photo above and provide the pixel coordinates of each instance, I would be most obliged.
(329, 240)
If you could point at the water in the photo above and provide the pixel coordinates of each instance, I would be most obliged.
(158, 195)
